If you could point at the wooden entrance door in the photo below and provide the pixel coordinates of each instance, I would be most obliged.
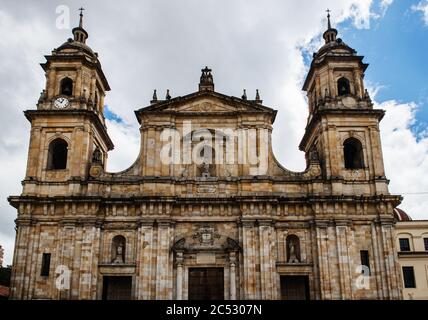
(206, 284)
(294, 287)
(117, 288)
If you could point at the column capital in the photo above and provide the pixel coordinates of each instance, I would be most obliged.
(245, 222)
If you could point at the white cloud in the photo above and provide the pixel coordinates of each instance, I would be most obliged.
(422, 7)
(126, 139)
(405, 157)
(155, 44)
(384, 4)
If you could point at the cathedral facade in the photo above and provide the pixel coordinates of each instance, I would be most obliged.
(206, 211)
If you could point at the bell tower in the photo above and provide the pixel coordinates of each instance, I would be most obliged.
(68, 129)
(343, 127)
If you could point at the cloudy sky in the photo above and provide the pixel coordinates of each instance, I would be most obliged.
(263, 45)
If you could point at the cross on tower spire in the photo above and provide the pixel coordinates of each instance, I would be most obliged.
(331, 33)
(328, 18)
(81, 17)
(80, 34)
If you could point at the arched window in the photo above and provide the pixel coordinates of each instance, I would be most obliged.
(293, 249)
(343, 87)
(118, 248)
(57, 155)
(353, 154)
(66, 87)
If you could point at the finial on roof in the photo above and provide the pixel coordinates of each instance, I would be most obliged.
(206, 81)
(258, 96)
(244, 95)
(155, 97)
(168, 96)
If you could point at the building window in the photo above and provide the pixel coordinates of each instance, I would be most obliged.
(343, 87)
(364, 255)
(46, 264)
(426, 244)
(353, 154)
(66, 87)
(409, 277)
(57, 155)
(404, 244)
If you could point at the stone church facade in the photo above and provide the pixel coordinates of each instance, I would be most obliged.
(206, 211)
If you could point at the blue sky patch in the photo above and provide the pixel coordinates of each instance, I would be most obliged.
(110, 115)
(396, 48)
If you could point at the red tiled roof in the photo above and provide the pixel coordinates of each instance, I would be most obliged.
(4, 291)
(400, 215)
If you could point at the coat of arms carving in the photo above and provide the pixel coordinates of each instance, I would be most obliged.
(206, 235)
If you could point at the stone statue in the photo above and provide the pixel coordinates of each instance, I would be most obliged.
(206, 170)
(292, 257)
(119, 254)
(97, 156)
(313, 155)
(184, 172)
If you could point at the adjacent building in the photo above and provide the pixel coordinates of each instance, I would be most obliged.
(412, 247)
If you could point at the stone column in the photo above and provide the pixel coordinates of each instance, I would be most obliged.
(150, 150)
(145, 260)
(88, 270)
(343, 259)
(19, 266)
(164, 272)
(266, 270)
(179, 261)
(249, 259)
(232, 261)
(323, 261)
(358, 86)
(78, 85)
(51, 83)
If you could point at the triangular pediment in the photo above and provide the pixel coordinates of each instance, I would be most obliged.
(206, 101)
(206, 104)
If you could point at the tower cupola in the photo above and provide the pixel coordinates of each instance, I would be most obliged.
(80, 34)
(330, 34)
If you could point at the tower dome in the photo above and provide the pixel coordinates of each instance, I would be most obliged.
(78, 42)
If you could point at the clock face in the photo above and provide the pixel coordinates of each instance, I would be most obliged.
(61, 103)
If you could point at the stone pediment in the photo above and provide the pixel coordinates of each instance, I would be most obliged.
(204, 105)
(206, 102)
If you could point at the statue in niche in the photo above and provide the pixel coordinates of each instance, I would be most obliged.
(293, 249)
(118, 249)
(119, 254)
(293, 256)
(97, 156)
(205, 172)
(184, 173)
(313, 155)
